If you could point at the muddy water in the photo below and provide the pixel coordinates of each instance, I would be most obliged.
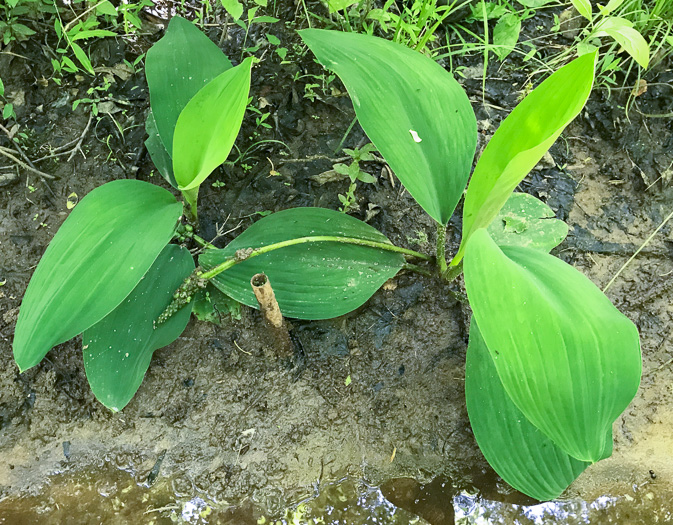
(112, 496)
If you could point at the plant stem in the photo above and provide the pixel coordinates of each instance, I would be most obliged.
(198, 278)
(191, 198)
(453, 272)
(232, 261)
(202, 242)
(343, 139)
(486, 48)
(268, 305)
(449, 274)
(417, 269)
(441, 249)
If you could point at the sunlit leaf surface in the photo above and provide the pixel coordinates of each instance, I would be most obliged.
(568, 359)
(521, 141)
(208, 125)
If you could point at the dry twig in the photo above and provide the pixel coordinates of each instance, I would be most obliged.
(10, 136)
(9, 154)
(78, 146)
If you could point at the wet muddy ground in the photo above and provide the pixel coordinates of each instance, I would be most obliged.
(371, 427)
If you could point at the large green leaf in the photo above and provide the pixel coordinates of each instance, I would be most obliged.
(521, 455)
(317, 280)
(413, 110)
(208, 126)
(117, 350)
(162, 160)
(568, 359)
(96, 258)
(521, 141)
(177, 67)
(527, 221)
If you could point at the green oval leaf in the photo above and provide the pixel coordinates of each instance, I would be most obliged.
(506, 35)
(117, 350)
(568, 359)
(177, 67)
(521, 455)
(82, 57)
(528, 222)
(106, 8)
(413, 110)
(208, 126)
(92, 33)
(583, 8)
(626, 36)
(233, 7)
(96, 258)
(160, 157)
(317, 280)
(521, 141)
(610, 7)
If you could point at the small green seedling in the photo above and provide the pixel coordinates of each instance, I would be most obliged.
(13, 12)
(354, 174)
(8, 107)
(551, 363)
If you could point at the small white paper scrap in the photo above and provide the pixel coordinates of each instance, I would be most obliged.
(415, 136)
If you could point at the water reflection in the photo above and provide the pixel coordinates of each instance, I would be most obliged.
(113, 496)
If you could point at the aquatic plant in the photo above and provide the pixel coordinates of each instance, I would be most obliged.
(551, 362)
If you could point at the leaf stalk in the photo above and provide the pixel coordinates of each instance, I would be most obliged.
(242, 255)
(191, 200)
(199, 278)
(441, 249)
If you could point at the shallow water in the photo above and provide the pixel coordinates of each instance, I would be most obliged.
(113, 496)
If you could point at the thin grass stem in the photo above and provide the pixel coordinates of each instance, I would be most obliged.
(647, 241)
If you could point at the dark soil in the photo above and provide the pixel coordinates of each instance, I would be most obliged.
(252, 436)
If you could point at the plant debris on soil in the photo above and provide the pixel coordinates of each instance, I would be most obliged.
(378, 398)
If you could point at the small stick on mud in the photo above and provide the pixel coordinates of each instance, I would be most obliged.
(8, 153)
(10, 136)
(78, 146)
(272, 315)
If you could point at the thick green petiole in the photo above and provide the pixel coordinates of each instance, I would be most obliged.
(453, 272)
(441, 249)
(191, 199)
(302, 240)
(417, 269)
(449, 271)
(201, 277)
